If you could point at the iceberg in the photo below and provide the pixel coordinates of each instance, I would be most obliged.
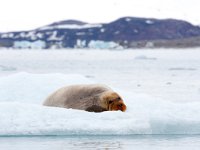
(103, 45)
(39, 44)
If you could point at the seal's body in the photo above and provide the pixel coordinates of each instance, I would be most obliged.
(94, 98)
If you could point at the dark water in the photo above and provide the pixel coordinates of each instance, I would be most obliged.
(135, 142)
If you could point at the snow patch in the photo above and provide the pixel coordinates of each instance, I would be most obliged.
(7, 35)
(31, 35)
(116, 32)
(135, 30)
(4, 35)
(80, 43)
(22, 34)
(71, 26)
(39, 35)
(10, 35)
(54, 37)
(56, 45)
(128, 19)
(149, 22)
(149, 45)
(102, 30)
(80, 33)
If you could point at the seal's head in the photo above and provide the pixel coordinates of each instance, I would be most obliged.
(113, 102)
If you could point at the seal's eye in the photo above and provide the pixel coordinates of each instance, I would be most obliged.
(117, 99)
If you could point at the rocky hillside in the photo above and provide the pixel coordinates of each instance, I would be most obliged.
(127, 32)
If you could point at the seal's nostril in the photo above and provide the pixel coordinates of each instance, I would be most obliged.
(120, 105)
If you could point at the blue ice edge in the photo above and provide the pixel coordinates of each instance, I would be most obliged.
(106, 137)
(22, 113)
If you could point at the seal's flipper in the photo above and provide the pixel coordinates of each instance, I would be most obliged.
(95, 108)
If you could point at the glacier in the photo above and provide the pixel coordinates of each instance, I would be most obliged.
(22, 113)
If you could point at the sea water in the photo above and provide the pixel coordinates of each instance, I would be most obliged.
(161, 89)
(136, 142)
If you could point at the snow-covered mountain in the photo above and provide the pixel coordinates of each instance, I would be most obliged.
(127, 32)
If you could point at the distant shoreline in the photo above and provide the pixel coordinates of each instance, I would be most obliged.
(123, 33)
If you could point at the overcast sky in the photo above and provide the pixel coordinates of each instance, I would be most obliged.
(30, 14)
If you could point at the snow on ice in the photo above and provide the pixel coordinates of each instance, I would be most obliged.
(22, 113)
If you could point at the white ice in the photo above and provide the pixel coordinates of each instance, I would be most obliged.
(22, 113)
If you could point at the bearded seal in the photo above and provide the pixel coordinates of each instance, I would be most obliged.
(88, 97)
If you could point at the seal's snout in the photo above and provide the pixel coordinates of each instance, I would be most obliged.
(119, 106)
(122, 107)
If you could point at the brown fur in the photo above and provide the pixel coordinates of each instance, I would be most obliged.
(93, 98)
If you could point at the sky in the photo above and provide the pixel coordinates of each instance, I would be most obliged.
(18, 15)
